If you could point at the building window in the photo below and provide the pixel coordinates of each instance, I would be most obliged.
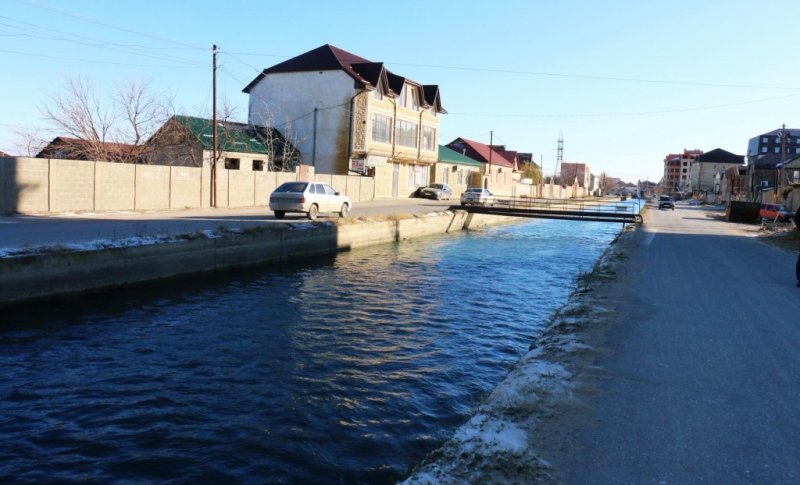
(406, 133)
(381, 128)
(417, 176)
(401, 100)
(414, 100)
(765, 139)
(446, 175)
(232, 163)
(777, 149)
(258, 165)
(377, 94)
(763, 149)
(460, 176)
(428, 138)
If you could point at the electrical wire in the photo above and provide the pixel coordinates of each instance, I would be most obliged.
(95, 61)
(640, 113)
(85, 18)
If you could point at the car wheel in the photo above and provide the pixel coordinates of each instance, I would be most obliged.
(313, 212)
(279, 214)
(345, 210)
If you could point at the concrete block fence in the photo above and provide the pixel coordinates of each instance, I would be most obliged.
(38, 185)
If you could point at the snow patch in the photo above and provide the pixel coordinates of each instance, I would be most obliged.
(491, 435)
(100, 244)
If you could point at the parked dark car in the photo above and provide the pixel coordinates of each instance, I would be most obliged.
(666, 202)
(435, 191)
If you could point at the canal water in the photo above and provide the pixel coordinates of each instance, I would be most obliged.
(348, 369)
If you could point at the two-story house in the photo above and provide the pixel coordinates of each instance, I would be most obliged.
(704, 171)
(348, 114)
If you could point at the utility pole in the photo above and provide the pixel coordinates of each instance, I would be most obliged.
(314, 142)
(214, 139)
(783, 158)
(491, 141)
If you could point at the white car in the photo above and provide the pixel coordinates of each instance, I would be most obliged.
(477, 196)
(310, 198)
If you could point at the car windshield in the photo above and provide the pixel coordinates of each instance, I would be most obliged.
(297, 187)
(437, 186)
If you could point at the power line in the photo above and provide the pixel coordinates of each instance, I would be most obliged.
(44, 34)
(95, 61)
(598, 78)
(562, 75)
(85, 18)
(640, 113)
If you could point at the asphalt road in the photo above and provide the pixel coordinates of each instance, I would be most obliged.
(700, 380)
(43, 230)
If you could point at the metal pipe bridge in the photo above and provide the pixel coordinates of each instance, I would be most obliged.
(598, 210)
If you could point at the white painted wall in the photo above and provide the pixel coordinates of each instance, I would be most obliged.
(287, 101)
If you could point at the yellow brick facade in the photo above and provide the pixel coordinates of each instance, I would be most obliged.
(398, 167)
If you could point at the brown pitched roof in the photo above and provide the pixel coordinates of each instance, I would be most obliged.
(77, 149)
(479, 151)
(367, 73)
(323, 58)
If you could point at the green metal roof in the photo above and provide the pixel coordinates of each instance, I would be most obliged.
(233, 137)
(448, 155)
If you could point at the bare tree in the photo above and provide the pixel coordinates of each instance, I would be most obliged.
(143, 111)
(606, 183)
(111, 128)
(30, 141)
(282, 141)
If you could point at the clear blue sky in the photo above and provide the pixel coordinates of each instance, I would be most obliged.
(625, 82)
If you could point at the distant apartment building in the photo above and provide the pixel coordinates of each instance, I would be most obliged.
(677, 170)
(768, 149)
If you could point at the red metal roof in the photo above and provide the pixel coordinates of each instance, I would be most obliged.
(481, 152)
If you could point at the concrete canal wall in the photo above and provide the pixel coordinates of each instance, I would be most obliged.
(56, 273)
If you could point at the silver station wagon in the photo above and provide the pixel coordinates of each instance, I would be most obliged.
(309, 198)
